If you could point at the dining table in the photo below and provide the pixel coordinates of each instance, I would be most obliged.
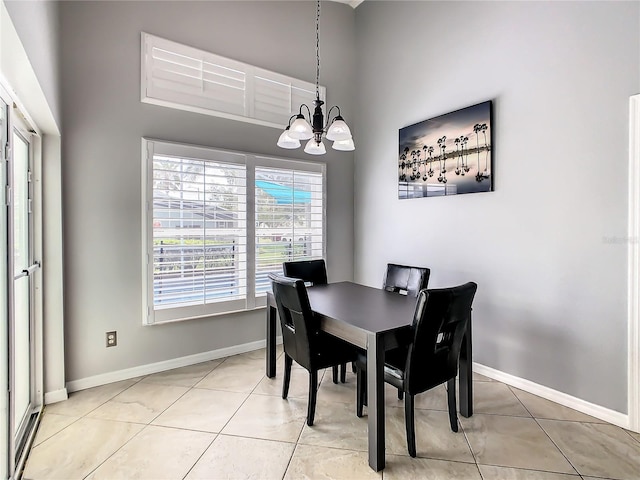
(376, 321)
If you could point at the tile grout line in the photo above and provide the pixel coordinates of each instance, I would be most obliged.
(201, 455)
(145, 425)
(545, 432)
(115, 451)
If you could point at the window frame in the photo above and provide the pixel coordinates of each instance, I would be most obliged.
(253, 301)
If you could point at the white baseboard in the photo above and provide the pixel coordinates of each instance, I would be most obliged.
(116, 376)
(597, 411)
(55, 396)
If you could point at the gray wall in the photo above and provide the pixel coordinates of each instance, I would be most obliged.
(37, 25)
(103, 122)
(552, 297)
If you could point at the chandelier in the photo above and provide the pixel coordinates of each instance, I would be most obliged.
(312, 127)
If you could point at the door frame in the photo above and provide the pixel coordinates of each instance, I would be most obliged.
(4, 311)
(633, 368)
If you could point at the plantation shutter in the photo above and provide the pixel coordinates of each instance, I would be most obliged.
(199, 225)
(182, 77)
(289, 219)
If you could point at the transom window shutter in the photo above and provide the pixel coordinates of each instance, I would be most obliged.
(182, 77)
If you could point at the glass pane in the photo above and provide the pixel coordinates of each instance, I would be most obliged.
(21, 354)
(21, 292)
(20, 188)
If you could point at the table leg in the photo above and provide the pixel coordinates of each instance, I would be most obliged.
(271, 341)
(375, 400)
(466, 374)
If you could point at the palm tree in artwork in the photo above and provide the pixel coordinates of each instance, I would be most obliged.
(404, 164)
(443, 165)
(477, 128)
(426, 161)
(484, 129)
(428, 150)
(465, 166)
(413, 165)
(458, 155)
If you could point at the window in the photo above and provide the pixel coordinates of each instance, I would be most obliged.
(178, 76)
(217, 222)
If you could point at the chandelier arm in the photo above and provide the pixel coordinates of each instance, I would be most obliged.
(308, 111)
(329, 120)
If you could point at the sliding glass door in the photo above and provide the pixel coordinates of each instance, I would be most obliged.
(23, 267)
(21, 272)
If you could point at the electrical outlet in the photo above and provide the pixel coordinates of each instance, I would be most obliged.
(112, 339)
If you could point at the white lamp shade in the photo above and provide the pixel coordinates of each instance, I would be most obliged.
(313, 148)
(300, 129)
(285, 140)
(344, 145)
(338, 130)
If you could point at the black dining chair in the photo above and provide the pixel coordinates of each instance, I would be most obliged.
(313, 272)
(431, 356)
(302, 338)
(309, 271)
(405, 279)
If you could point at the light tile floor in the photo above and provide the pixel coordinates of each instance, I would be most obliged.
(225, 420)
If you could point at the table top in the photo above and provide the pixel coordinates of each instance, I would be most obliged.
(370, 309)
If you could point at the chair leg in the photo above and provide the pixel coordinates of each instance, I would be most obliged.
(343, 373)
(400, 394)
(361, 388)
(287, 375)
(451, 395)
(334, 370)
(313, 393)
(410, 424)
(353, 367)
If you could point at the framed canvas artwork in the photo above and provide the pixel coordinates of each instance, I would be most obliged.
(447, 155)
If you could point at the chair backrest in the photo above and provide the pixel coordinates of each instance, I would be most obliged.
(309, 271)
(299, 325)
(439, 325)
(406, 279)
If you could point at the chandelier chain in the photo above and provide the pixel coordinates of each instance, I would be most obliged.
(315, 125)
(318, 51)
